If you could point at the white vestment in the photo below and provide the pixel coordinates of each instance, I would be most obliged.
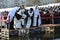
(12, 13)
(36, 14)
(29, 20)
(18, 23)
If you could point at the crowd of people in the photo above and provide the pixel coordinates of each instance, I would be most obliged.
(50, 12)
(21, 17)
(24, 18)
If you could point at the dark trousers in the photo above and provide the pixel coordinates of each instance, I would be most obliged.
(12, 24)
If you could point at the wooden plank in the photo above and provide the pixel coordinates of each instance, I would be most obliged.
(46, 25)
(49, 25)
(4, 29)
(43, 25)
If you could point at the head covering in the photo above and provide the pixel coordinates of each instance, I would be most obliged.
(31, 9)
(36, 6)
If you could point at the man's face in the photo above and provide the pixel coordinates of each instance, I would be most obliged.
(5, 14)
(22, 6)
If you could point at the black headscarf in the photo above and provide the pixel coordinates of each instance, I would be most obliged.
(31, 9)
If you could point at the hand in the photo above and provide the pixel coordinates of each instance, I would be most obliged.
(15, 28)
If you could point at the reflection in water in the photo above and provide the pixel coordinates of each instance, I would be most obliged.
(27, 37)
(57, 39)
(32, 37)
(37, 36)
